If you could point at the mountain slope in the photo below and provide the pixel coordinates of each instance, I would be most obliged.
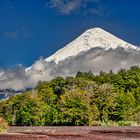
(95, 50)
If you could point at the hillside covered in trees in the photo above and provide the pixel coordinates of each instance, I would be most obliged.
(85, 99)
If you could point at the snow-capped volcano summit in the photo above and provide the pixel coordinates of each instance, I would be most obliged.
(91, 38)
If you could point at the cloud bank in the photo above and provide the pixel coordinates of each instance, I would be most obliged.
(94, 60)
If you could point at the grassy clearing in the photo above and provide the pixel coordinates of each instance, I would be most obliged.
(3, 125)
(113, 123)
(119, 123)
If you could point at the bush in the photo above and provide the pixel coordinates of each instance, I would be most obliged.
(3, 124)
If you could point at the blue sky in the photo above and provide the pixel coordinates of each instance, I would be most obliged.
(33, 28)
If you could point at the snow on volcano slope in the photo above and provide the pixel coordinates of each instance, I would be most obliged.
(91, 38)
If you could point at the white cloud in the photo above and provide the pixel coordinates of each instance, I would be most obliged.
(95, 60)
(66, 7)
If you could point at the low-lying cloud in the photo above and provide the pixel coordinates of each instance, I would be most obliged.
(96, 60)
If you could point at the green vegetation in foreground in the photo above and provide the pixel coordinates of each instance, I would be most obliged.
(86, 99)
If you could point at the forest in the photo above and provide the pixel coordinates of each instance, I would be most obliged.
(82, 100)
